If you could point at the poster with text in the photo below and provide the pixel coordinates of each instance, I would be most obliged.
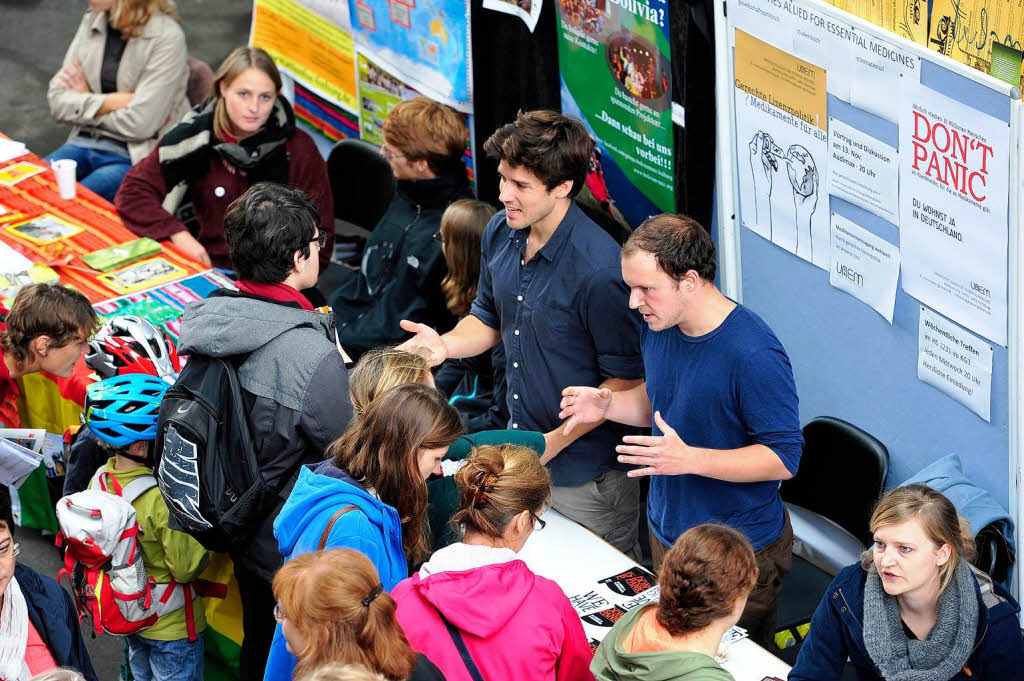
(423, 42)
(614, 59)
(782, 137)
(307, 46)
(906, 18)
(379, 92)
(954, 177)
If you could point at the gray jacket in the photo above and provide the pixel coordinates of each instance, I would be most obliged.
(295, 385)
(154, 68)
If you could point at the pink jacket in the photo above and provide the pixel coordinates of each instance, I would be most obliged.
(517, 626)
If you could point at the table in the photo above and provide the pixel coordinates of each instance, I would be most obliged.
(602, 583)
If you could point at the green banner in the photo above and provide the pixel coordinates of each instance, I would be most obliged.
(614, 61)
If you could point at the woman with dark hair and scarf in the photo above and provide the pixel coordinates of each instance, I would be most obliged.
(243, 134)
(914, 609)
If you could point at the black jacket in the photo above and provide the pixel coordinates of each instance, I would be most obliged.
(53, 614)
(402, 268)
(294, 383)
(476, 387)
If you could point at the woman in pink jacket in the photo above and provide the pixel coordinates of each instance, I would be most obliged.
(477, 595)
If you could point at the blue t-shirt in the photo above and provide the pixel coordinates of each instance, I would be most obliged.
(728, 389)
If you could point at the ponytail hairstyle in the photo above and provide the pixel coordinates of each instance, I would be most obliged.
(382, 448)
(336, 601)
(462, 228)
(498, 483)
(704, 574)
(937, 516)
(380, 370)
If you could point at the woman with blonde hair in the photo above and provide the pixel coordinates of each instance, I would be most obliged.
(244, 134)
(332, 608)
(380, 370)
(121, 87)
(914, 608)
(476, 595)
(371, 494)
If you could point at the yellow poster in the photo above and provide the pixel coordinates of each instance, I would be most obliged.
(309, 47)
(905, 18)
(965, 29)
(780, 79)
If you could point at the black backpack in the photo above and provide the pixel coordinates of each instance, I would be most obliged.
(206, 464)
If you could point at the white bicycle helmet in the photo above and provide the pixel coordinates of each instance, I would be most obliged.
(130, 344)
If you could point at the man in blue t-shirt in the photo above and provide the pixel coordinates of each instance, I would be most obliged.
(720, 387)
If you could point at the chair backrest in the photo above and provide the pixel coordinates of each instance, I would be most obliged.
(361, 181)
(841, 476)
(200, 81)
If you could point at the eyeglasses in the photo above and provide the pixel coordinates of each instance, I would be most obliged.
(387, 153)
(321, 240)
(279, 613)
(10, 551)
(538, 522)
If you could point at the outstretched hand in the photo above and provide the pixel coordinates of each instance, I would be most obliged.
(426, 342)
(664, 454)
(582, 404)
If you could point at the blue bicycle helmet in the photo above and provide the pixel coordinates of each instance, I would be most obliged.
(123, 409)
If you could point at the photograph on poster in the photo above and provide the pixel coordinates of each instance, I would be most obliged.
(780, 119)
(954, 183)
(527, 10)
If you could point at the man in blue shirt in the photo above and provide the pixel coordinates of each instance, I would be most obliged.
(551, 289)
(724, 403)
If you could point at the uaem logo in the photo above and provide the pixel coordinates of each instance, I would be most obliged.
(951, 155)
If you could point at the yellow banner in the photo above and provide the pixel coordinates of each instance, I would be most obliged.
(965, 29)
(784, 81)
(905, 18)
(309, 47)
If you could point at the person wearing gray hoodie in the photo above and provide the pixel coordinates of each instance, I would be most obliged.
(705, 580)
(293, 378)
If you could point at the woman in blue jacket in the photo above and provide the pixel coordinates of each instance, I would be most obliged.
(915, 608)
(371, 495)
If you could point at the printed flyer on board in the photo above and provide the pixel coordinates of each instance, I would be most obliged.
(954, 180)
(614, 60)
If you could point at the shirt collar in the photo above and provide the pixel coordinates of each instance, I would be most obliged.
(99, 22)
(561, 235)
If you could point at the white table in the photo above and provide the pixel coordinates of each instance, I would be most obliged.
(602, 583)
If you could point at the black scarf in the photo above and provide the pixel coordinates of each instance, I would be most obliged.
(185, 151)
(451, 183)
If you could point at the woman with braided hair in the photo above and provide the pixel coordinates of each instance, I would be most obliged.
(333, 609)
(478, 596)
(705, 580)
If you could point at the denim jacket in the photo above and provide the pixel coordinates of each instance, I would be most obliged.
(836, 634)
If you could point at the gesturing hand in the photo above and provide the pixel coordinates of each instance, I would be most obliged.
(583, 405)
(426, 342)
(664, 454)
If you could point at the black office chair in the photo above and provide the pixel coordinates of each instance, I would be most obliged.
(841, 477)
(361, 182)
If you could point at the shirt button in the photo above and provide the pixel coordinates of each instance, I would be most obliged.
(519, 298)
(515, 397)
(842, 609)
(515, 365)
(522, 262)
(517, 332)
(835, 595)
(515, 425)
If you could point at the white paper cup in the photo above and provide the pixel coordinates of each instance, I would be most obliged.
(65, 169)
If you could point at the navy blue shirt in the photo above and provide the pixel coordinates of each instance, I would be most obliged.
(565, 320)
(727, 389)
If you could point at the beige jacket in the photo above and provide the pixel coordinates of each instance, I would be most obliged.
(154, 67)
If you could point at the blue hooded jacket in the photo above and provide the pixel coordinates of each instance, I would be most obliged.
(374, 530)
(837, 632)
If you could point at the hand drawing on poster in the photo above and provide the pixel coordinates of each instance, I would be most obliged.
(527, 10)
(780, 118)
(954, 198)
